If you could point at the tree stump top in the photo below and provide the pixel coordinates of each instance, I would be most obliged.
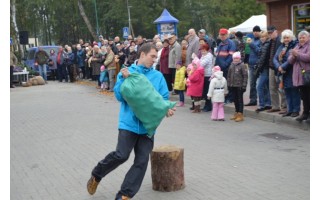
(170, 151)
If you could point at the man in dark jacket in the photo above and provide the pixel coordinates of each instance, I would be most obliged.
(278, 99)
(254, 45)
(41, 59)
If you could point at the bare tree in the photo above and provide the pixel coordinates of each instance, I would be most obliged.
(86, 20)
(14, 21)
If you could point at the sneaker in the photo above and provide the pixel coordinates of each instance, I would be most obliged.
(92, 185)
(181, 104)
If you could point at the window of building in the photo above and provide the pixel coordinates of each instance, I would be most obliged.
(300, 17)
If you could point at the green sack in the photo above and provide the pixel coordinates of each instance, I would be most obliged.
(146, 103)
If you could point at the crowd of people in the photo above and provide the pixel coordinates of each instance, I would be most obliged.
(274, 67)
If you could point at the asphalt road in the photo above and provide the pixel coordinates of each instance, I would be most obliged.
(59, 131)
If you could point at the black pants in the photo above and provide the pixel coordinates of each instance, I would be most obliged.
(305, 96)
(238, 98)
(11, 75)
(208, 103)
(127, 141)
(168, 78)
(54, 74)
(62, 72)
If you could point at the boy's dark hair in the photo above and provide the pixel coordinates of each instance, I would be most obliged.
(146, 48)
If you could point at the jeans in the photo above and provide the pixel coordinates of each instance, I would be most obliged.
(43, 71)
(127, 141)
(293, 99)
(263, 89)
(253, 83)
(181, 95)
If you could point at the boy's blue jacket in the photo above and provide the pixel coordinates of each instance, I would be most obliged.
(127, 119)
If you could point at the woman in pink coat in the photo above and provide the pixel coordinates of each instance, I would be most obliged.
(195, 83)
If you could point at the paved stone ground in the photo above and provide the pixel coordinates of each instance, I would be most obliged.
(60, 131)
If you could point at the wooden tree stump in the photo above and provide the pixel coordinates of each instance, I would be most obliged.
(167, 171)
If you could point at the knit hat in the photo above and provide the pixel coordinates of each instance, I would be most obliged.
(102, 68)
(239, 34)
(236, 55)
(256, 29)
(216, 69)
(179, 62)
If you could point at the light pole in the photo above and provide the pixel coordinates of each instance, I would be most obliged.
(128, 7)
(97, 24)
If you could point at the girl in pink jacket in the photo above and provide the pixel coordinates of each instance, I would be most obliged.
(195, 83)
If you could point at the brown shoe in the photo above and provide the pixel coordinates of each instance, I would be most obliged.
(282, 112)
(92, 185)
(273, 110)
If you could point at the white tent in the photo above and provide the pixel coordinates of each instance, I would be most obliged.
(247, 26)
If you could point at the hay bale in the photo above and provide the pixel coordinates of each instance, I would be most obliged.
(40, 80)
(34, 81)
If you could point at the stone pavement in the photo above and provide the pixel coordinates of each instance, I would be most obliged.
(59, 131)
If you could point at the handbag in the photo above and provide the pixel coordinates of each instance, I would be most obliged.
(305, 75)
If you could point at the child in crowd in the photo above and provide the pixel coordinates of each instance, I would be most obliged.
(179, 85)
(195, 83)
(217, 91)
(103, 78)
(237, 82)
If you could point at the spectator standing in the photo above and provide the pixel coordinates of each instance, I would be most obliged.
(13, 63)
(253, 59)
(179, 85)
(237, 81)
(193, 46)
(96, 64)
(174, 56)
(262, 73)
(164, 63)
(218, 89)
(206, 62)
(278, 99)
(110, 64)
(53, 64)
(300, 59)
(41, 59)
(224, 57)
(61, 67)
(283, 66)
(184, 46)
(195, 83)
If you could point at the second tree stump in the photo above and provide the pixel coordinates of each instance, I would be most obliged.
(167, 170)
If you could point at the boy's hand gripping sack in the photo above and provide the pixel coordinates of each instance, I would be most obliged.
(146, 103)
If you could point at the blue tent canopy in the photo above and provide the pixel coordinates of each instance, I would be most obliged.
(166, 17)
